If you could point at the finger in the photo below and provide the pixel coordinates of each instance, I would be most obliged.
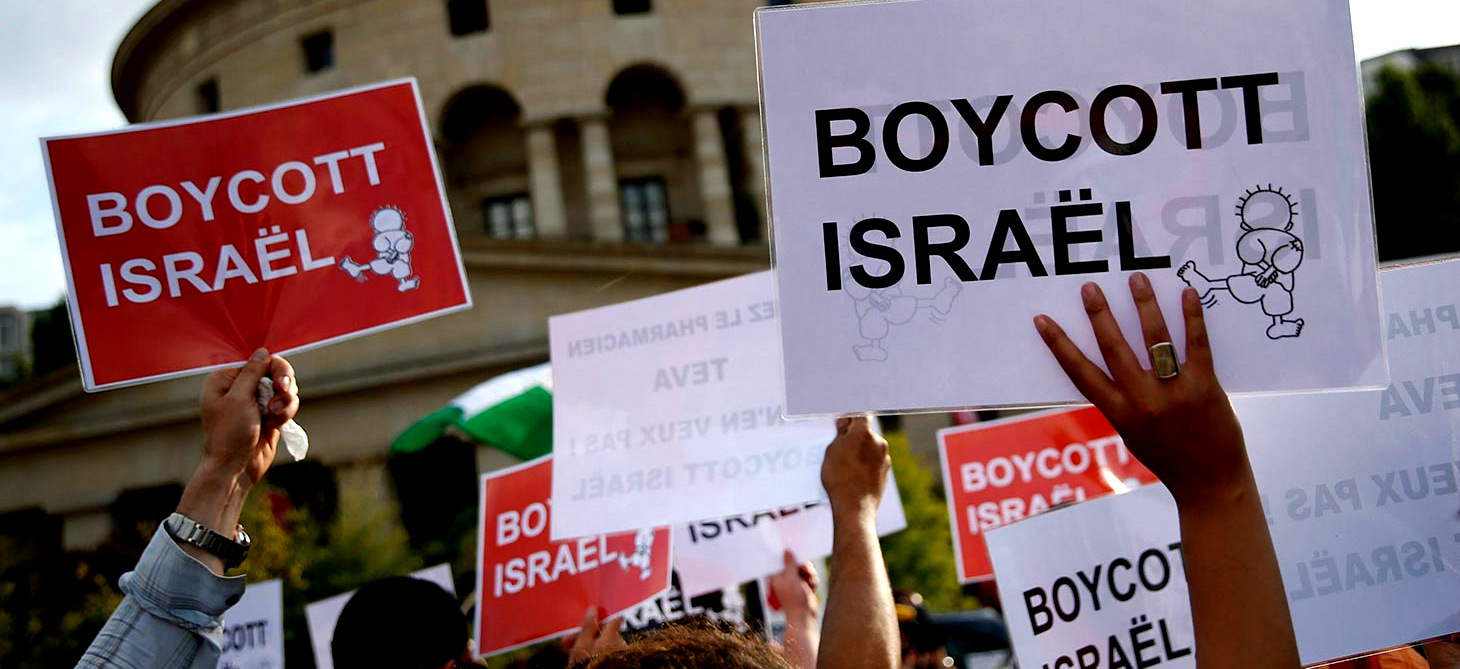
(583, 643)
(1123, 366)
(1153, 323)
(1198, 347)
(285, 395)
(246, 384)
(788, 562)
(1088, 378)
(610, 638)
(217, 383)
(808, 574)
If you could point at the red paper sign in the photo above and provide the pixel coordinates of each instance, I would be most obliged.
(531, 588)
(189, 244)
(1002, 471)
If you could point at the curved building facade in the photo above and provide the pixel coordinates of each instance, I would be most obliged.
(594, 151)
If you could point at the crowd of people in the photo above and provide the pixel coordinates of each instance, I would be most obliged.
(1175, 418)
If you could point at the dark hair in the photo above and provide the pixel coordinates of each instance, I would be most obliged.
(692, 645)
(399, 623)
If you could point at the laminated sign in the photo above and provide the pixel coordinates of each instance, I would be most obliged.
(667, 410)
(1362, 493)
(1003, 471)
(188, 244)
(1098, 586)
(531, 588)
(941, 171)
(1363, 489)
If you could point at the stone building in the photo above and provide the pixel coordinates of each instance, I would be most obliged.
(594, 151)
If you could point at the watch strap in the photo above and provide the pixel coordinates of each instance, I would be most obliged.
(192, 532)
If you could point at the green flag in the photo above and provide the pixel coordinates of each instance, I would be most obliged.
(512, 412)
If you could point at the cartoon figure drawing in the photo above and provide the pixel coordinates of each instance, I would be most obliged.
(880, 309)
(392, 248)
(643, 555)
(1270, 254)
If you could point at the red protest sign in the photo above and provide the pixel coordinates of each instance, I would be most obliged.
(1002, 471)
(188, 244)
(531, 588)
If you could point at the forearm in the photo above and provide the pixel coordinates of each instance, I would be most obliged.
(215, 498)
(803, 637)
(860, 629)
(171, 617)
(1238, 603)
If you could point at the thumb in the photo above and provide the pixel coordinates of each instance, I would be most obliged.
(247, 382)
(788, 560)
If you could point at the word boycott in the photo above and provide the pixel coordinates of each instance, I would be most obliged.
(984, 127)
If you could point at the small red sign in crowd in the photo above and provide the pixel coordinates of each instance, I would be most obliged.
(531, 588)
(189, 244)
(998, 472)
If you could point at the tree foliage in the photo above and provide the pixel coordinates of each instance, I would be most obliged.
(1414, 155)
(920, 558)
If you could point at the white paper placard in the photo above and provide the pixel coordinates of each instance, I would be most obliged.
(323, 614)
(1103, 580)
(1257, 178)
(253, 629)
(710, 553)
(1363, 489)
(667, 410)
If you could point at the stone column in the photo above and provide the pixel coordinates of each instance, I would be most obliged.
(548, 213)
(755, 162)
(715, 193)
(602, 183)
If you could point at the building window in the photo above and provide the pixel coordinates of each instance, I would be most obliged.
(646, 210)
(467, 16)
(319, 51)
(9, 333)
(208, 97)
(509, 217)
(632, 6)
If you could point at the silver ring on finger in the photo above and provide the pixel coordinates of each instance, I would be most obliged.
(1163, 358)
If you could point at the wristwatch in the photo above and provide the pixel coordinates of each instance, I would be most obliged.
(189, 531)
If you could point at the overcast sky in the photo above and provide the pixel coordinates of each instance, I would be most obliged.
(56, 80)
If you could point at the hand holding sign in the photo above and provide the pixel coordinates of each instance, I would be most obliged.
(854, 472)
(1183, 428)
(1152, 414)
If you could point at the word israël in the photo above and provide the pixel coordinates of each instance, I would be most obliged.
(1123, 579)
(1328, 575)
(572, 557)
(600, 486)
(710, 529)
(292, 182)
(1008, 222)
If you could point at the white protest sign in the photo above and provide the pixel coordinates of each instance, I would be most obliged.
(1361, 488)
(667, 410)
(323, 614)
(736, 549)
(725, 604)
(1099, 584)
(941, 171)
(253, 629)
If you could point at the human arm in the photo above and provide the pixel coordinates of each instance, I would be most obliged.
(794, 588)
(860, 628)
(171, 615)
(1184, 430)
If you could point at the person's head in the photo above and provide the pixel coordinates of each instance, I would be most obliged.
(694, 644)
(400, 623)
